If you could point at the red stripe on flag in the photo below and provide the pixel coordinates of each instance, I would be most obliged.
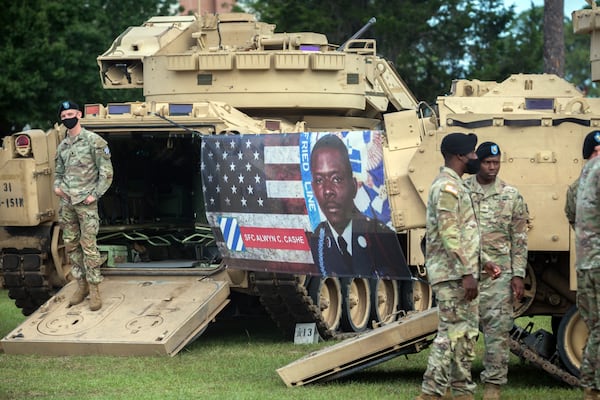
(282, 172)
(289, 139)
(274, 238)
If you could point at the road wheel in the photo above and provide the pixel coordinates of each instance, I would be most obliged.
(572, 336)
(530, 283)
(326, 293)
(416, 295)
(60, 269)
(356, 304)
(385, 300)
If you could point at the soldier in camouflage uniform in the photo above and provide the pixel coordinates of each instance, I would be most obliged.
(502, 216)
(83, 174)
(452, 251)
(588, 153)
(587, 240)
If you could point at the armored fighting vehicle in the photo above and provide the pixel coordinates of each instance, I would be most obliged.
(229, 80)
(215, 76)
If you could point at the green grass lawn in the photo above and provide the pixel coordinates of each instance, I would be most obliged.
(233, 359)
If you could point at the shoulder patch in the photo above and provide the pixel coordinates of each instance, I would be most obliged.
(510, 189)
(450, 188)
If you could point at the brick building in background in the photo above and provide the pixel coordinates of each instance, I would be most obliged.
(208, 6)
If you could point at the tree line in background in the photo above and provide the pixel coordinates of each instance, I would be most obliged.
(50, 47)
(49, 51)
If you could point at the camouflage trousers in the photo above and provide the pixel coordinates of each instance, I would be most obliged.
(496, 321)
(453, 349)
(80, 223)
(588, 302)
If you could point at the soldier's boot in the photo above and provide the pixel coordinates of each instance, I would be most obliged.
(491, 392)
(591, 394)
(82, 291)
(425, 396)
(95, 301)
(447, 395)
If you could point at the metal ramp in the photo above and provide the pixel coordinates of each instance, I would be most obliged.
(140, 315)
(408, 335)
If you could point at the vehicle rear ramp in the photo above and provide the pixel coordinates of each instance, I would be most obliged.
(140, 315)
(405, 336)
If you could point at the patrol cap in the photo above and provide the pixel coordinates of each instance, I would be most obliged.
(487, 149)
(591, 140)
(458, 143)
(67, 105)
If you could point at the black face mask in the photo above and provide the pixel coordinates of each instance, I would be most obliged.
(473, 166)
(70, 123)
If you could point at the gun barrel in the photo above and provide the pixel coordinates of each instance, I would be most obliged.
(359, 32)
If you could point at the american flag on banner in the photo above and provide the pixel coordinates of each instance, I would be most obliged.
(255, 201)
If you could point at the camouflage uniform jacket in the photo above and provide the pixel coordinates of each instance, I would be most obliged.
(83, 166)
(587, 222)
(571, 201)
(503, 217)
(452, 246)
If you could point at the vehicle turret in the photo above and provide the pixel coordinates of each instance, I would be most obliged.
(235, 59)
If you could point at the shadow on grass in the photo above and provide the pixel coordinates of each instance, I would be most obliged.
(379, 376)
(529, 376)
(409, 370)
(242, 328)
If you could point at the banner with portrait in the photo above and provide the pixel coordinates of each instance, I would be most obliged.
(303, 203)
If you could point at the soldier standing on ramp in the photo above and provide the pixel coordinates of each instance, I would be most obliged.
(83, 174)
(452, 261)
(502, 216)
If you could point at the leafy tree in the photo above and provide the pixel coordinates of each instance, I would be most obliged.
(459, 36)
(338, 19)
(431, 42)
(49, 54)
(522, 49)
(436, 41)
(518, 49)
(406, 31)
(49, 48)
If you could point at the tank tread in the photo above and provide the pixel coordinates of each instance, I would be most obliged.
(286, 300)
(552, 366)
(24, 278)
